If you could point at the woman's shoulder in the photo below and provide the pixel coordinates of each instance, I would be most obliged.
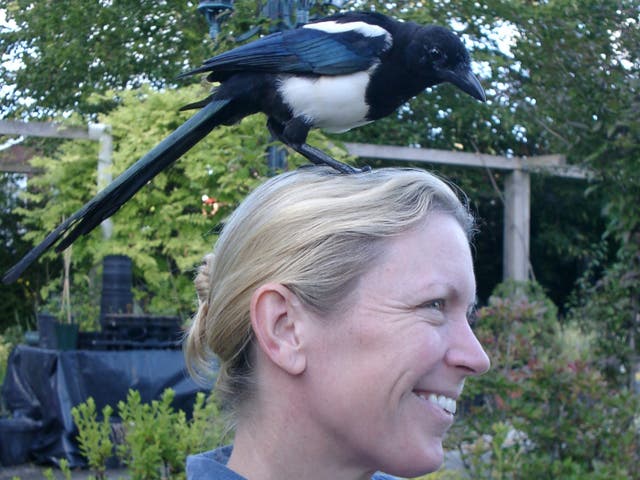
(211, 465)
(383, 476)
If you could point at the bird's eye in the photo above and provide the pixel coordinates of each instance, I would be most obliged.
(436, 54)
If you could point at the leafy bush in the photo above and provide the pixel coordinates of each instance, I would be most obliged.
(156, 440)
(541, 412)
(610, 306)
(94, 436)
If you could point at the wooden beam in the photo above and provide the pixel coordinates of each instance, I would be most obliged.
(467, 159)
(41, 129)
(13, 160)
(553, 164)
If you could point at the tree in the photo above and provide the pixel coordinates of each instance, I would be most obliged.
(70, 50)
(16, 299)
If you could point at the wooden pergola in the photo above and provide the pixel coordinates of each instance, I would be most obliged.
(516, 194)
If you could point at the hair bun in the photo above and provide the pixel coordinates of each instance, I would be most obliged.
(203, 279)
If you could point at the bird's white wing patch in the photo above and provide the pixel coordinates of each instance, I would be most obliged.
(363, 28)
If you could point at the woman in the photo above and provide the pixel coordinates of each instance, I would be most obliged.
(338, 307)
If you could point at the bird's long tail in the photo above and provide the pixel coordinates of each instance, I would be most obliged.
(109, 200)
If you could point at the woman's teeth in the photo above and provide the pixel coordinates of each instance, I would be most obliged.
(445, 403)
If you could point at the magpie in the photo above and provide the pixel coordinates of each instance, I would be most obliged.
(335, 73)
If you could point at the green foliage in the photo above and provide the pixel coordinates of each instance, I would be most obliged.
(157, 439)
(96, 46)
(147, 450)
(94, 435)
(519, 325)
(207, 426)
(48, 474)
(65, 468)
(18, 299)
(11, 337)
(609, 307)
(565, 225)
(5, 350)
(541, 412)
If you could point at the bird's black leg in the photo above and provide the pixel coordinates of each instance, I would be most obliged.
(294, 135)
(318, 157)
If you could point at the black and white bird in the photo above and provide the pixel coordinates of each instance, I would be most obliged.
(336, 73)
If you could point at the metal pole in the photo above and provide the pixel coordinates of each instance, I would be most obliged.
(279, 11)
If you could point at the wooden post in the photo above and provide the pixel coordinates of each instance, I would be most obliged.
(102, 133)
(517, 212)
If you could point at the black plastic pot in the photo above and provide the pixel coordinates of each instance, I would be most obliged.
(117, 280)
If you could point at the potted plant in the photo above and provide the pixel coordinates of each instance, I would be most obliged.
(56, 326)
(67, 331)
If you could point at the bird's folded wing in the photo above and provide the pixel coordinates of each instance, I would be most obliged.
(302, 51)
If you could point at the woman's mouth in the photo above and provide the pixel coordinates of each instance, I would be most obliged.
(445, 403)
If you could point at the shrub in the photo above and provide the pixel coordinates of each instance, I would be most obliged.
(157, 438)
(542, 412)
(94, 436)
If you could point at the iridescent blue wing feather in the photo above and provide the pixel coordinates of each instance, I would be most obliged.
(300, 51)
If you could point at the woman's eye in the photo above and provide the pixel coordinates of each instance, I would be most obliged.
(437, 304)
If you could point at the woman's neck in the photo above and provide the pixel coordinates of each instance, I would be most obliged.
(273, 446)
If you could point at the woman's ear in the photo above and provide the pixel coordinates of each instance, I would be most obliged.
(277, 327)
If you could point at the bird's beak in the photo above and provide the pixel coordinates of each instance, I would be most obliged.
(466, 81)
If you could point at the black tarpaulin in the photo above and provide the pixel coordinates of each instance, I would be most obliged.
(43, 385)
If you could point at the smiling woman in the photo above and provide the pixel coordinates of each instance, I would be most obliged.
(338, 308)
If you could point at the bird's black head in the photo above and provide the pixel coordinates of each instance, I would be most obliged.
(438, 55)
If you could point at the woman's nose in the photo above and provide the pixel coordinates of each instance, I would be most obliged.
(466, 352)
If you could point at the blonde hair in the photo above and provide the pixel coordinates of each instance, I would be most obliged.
(313, 230)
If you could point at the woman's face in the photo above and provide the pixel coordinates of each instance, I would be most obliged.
(385, 374)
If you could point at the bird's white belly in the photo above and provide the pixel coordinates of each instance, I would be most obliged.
(335, 104)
